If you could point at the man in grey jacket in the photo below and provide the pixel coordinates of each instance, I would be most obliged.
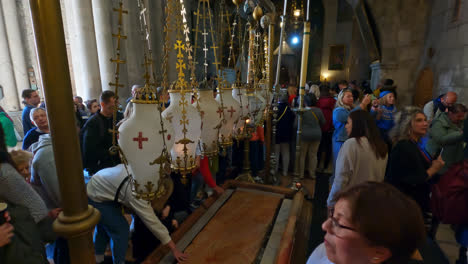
(43, 174)
(45, 181)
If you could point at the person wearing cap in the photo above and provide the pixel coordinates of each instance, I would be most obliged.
(439, 104)
(387, 84)
(383, 111)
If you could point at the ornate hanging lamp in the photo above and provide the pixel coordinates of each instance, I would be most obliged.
(145, 136)
(183, 117)
(210, 110)
(232, 108)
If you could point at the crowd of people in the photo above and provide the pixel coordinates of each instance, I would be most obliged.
(383, 163)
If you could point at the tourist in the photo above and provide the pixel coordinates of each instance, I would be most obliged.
(446, 136)
(39, 118)
(96, 138)
(312, 119)
(383, 112)
(410, 167)
(92, 106)
(363, 156)
(31, 100)
(326, 103)
(439, 104)
(344, 105)
(22, 160)
(9, 128)
(108, 189)
(284, 126)
(370, 223)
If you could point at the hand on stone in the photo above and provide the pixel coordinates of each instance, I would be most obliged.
(218, 190)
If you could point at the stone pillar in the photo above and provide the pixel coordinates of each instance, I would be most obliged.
(10, 100)
(382, 71)
(329, 32)
(20, 71)
(83, 48)
(102, 14)
(375, 75)
(133, 47)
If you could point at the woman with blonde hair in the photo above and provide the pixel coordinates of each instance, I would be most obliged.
(22, 160)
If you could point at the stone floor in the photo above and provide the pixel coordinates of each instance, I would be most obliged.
(446, 239)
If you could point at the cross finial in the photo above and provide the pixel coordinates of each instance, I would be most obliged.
(121, 11)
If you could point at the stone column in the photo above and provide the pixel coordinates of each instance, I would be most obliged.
(83, 48)
(382, 71)
(10, 100)
(133, 47)
(15, 43)
(329, 32)
(102, 13)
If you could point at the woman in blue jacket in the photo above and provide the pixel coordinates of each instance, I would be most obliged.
(344, 105)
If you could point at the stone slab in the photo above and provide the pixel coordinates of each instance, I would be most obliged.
(237, 232)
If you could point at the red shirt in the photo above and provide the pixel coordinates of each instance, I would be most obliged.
(327, 104)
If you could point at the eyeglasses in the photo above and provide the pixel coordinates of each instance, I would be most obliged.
(337, 228)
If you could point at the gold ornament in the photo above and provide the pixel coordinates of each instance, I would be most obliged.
(257, 13)
(237, 2)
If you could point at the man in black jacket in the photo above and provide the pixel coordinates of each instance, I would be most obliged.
(96, 136)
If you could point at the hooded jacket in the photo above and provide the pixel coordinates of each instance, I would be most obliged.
(43, 174)
(446, 135)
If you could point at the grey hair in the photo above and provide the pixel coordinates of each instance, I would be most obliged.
(34, 110)
(403, 120)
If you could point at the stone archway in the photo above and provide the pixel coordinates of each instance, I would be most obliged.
(424, 86)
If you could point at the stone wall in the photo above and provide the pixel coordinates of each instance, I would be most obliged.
(447, 36)
(401, 29)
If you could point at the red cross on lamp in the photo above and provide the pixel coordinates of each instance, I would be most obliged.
(140, 140)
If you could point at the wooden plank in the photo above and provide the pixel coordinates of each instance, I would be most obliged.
(272, 246)
(289, 193)
(301, 238)
(193, 232)
(287, 240)
(237, 232)
(260, 192)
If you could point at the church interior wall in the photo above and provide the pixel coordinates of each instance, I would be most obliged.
(401, 28)
(447, 40)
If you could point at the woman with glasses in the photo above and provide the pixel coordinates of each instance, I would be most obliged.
(363, 157)
(370, 223)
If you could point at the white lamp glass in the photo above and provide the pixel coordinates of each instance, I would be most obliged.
(211, 115)
(186, 122)
(239, 94)
(141, 141)
(232, 111)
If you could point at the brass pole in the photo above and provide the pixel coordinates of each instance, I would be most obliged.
(276, 88)
(268, 134)
(300, 109)
(78, 219)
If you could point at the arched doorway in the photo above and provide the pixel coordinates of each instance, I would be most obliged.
(424, 86)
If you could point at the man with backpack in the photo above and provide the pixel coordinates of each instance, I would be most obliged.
(96, 136)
